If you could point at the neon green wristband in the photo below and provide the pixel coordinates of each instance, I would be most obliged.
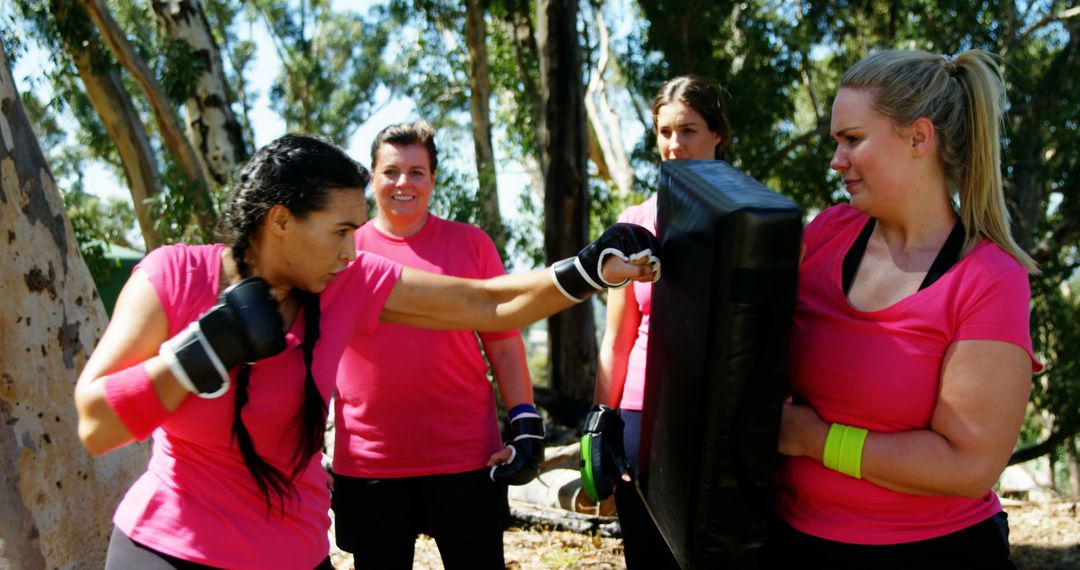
(843, 449)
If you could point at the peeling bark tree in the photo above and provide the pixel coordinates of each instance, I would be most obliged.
(56, 501)
(563, 148)
(606, 148)
(211, 125)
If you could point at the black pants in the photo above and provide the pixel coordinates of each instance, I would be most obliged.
(126, 554)
(643, 546)
(984, 545)
(378, 520)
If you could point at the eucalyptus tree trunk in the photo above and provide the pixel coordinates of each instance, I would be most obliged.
(164, 113)
(56, 501)
(479, 97)
(122, 123)
(563, 149)
(606, 148)
(212, 127)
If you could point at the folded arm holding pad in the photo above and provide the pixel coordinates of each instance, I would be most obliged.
(244, 326)
(526, 447)
(603, 457)
(580, 276)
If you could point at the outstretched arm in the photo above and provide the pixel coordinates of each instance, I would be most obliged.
(624, 252)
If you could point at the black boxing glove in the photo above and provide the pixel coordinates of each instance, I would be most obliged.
(580, 276)
(526, 447)
(603, 457)
(244, 326)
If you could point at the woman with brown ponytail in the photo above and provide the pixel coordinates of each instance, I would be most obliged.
(911, 352)
(227, 355)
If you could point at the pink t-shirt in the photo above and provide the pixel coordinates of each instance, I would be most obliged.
(414, 402)
(880, 370)
(197, 501)
(633, 396)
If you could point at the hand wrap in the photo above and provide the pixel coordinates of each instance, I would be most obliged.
(526, 447)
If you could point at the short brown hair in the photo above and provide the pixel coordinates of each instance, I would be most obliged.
(417, 132)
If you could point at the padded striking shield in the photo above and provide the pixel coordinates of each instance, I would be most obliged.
(717, 361)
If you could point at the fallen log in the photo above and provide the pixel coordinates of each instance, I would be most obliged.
(526, 515)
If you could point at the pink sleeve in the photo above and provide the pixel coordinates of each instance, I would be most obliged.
(362, 289)
(185, 279)
(998, 307)
(160, 268)
(826, 224)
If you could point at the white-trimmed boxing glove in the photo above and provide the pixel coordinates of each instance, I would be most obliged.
(526, 447)
(580, 276)
(244, 326)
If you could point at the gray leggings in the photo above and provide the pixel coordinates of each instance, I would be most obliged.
(126, 554)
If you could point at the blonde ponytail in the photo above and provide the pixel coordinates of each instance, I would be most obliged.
(965, 98)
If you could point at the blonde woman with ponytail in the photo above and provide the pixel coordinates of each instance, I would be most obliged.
(911, 351)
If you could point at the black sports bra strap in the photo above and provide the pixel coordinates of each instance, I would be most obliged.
(947, 257)
(854, 255)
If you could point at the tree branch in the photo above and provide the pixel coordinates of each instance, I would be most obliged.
(1042, 448)
(164, 113)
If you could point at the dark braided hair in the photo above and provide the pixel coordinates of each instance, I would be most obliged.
(298, 172)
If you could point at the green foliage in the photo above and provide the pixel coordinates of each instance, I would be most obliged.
(11, 42)
(182, 74)
(433, 50)
(332, 63)
(527, 231)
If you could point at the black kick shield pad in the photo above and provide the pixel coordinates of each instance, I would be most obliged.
(717, 361)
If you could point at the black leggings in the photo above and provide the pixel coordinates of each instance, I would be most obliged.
(644, 547)
(126, 554)
(983, 546)
(378, 520)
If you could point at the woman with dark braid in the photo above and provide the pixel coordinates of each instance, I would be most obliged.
(254, 327)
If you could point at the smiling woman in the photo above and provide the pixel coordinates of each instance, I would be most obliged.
(235, 480)
(404, 159)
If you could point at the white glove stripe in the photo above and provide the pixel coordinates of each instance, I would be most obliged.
(559, 286)
(524, 415)
(211, 354)
(585, 274)
(528, 436)
(167, 353)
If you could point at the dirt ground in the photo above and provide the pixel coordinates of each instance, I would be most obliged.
(1044, 536)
